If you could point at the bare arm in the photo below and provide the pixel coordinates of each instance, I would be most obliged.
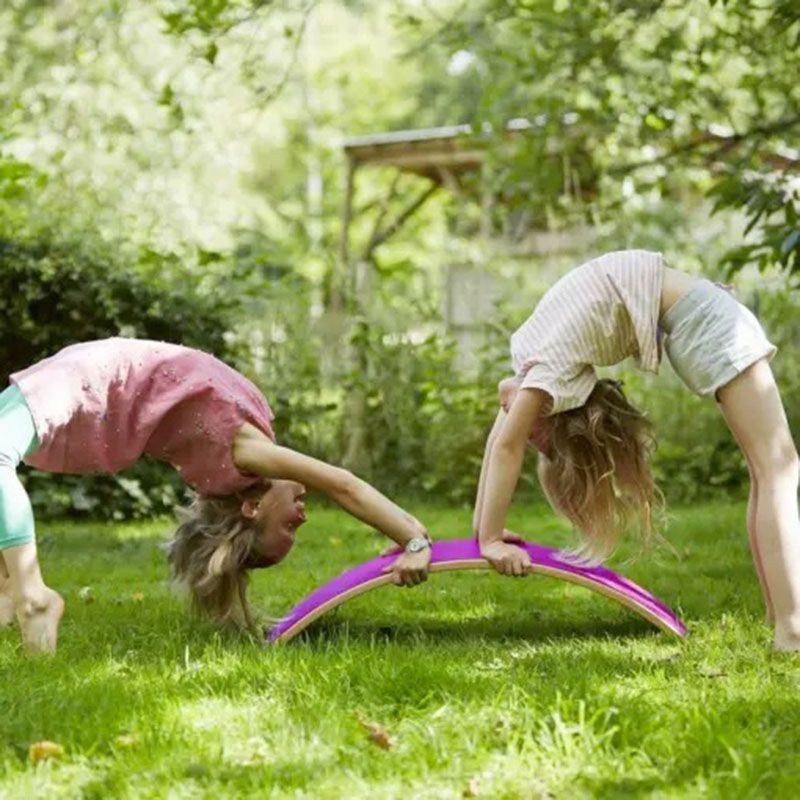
(498, 424)
(255, 453)
(504, 465)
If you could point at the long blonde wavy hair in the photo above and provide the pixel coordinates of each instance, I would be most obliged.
(212, 550)
(596, 470)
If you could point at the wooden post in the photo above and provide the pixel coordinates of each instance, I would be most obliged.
(341, 287)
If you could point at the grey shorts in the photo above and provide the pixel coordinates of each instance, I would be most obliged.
(712, 338)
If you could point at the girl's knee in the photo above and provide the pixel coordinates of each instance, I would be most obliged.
(781, 464)
(788, 464)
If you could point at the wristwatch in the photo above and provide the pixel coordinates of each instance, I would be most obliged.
(417, 544)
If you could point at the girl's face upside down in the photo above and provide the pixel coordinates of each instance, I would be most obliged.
(279, 512)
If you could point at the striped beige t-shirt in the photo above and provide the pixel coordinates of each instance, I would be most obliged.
(596, 315)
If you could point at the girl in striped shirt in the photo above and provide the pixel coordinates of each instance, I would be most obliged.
(594, 446)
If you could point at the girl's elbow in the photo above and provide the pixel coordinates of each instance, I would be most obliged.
(507, 447)
(344, 486)
(249, 458)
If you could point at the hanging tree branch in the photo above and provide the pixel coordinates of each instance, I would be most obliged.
(380, 237)
(384, 210)
(723, 144)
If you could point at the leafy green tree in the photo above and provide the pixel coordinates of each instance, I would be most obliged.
(644, 99)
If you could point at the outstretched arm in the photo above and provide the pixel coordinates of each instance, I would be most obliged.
(255, 453)
(498, 424)
(504, 465)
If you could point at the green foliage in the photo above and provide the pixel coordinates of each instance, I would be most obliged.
(14, 178)
(209, 16)
(426, 420)
(635, 102)
(770, 201)
(146, 490)
(56, 295)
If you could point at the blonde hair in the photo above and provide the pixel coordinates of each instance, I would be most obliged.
(596, 471)
(210, 552)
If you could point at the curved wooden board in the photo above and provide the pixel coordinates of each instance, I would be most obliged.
(463, 554)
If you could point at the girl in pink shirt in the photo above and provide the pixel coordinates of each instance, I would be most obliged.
(594, 461)
(99, 406)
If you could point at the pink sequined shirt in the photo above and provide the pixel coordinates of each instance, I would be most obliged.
(99, 406)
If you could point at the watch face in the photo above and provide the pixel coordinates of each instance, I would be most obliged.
(415, 545)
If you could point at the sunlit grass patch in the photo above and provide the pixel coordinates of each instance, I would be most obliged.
(474, 683)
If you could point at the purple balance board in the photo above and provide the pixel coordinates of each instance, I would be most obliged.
(465, 554)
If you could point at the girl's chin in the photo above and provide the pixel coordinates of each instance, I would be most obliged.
(286, 548)
(291, 533)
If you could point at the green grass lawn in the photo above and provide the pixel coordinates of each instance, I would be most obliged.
(487, 686)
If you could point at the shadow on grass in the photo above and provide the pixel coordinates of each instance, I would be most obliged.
(496, 629)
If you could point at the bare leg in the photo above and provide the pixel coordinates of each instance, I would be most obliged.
(6, 600)
(752, 512)
(754, 412)
(38, 608)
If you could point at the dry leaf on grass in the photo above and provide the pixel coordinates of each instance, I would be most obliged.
(126, 740)
(473, 788)
(137, 597)
(40, 751)
(377, 733)
(86, 593)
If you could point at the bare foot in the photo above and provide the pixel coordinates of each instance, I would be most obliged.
(39, 622)
(787, 638)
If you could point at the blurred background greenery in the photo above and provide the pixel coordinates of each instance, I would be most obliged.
(218, 173)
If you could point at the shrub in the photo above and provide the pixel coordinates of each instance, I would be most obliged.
(55, 296)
